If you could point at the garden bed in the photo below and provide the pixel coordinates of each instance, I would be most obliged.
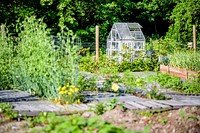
(179, 72)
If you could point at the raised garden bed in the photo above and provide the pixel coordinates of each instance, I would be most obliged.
(179, 72)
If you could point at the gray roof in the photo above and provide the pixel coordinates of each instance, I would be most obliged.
(127, 30)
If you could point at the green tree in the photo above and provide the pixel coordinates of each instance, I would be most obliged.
(155, 15)
(185, 14)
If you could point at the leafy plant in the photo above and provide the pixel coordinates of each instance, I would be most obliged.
(6, 110)
(166, 81)
(35, 62)
(182, 114)
(87, 83)
(6, 54)
(146, 113)
(128, 79)
(192, 86)
(73, 123)
(185, 59)
(153, 92)
(163, 120)
(69, 94)
(102, 107)
(109, 81)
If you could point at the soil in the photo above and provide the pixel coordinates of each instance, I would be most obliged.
(183, 120)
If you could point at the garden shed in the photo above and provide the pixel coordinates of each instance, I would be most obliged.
(125, 38)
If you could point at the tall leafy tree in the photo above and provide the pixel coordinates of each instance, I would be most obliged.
(185, 14)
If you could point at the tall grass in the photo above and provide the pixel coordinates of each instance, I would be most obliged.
(6, 54)
(38, 66)
(186, 59)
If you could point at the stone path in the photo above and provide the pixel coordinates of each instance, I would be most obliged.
(27, 104)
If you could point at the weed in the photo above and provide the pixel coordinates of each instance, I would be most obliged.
(6, 109)
(163, 120)
(100, 108)
(182, 114)
(146, 113)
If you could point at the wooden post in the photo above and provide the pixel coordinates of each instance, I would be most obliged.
(3, 28)
(97, 44)
(194, 37)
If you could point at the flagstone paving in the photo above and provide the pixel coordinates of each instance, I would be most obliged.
(30, 105)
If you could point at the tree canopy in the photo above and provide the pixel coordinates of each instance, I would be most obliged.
(158, 17)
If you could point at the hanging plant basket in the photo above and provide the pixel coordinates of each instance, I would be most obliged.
(179, 72)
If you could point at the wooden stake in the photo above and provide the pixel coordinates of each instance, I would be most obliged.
(97, 44)
(3, 28)
(194, 37)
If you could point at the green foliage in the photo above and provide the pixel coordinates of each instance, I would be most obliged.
(153, 92)
(35, 64)
(73, 123)
(175, 83)
(139, 64)
(69, 94)
(192, 86)
(182, 114)
(166, 81)
(156, 13)
(112, 78)
(146, 113)
(6, 109)
(81, 17)
(163, 46)
(185, 59)
(6, 46)
(163, 120)
(102, 107)
(127, 80)
(185, 14)
(87, 83)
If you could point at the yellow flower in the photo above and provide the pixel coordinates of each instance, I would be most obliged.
(66, 91)
(63, 88)
(78, 101)
(69, 93)
(71, 90)
(76, 89)
(61, 92)
(115, 87)
(57, 100)
(59, 88)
